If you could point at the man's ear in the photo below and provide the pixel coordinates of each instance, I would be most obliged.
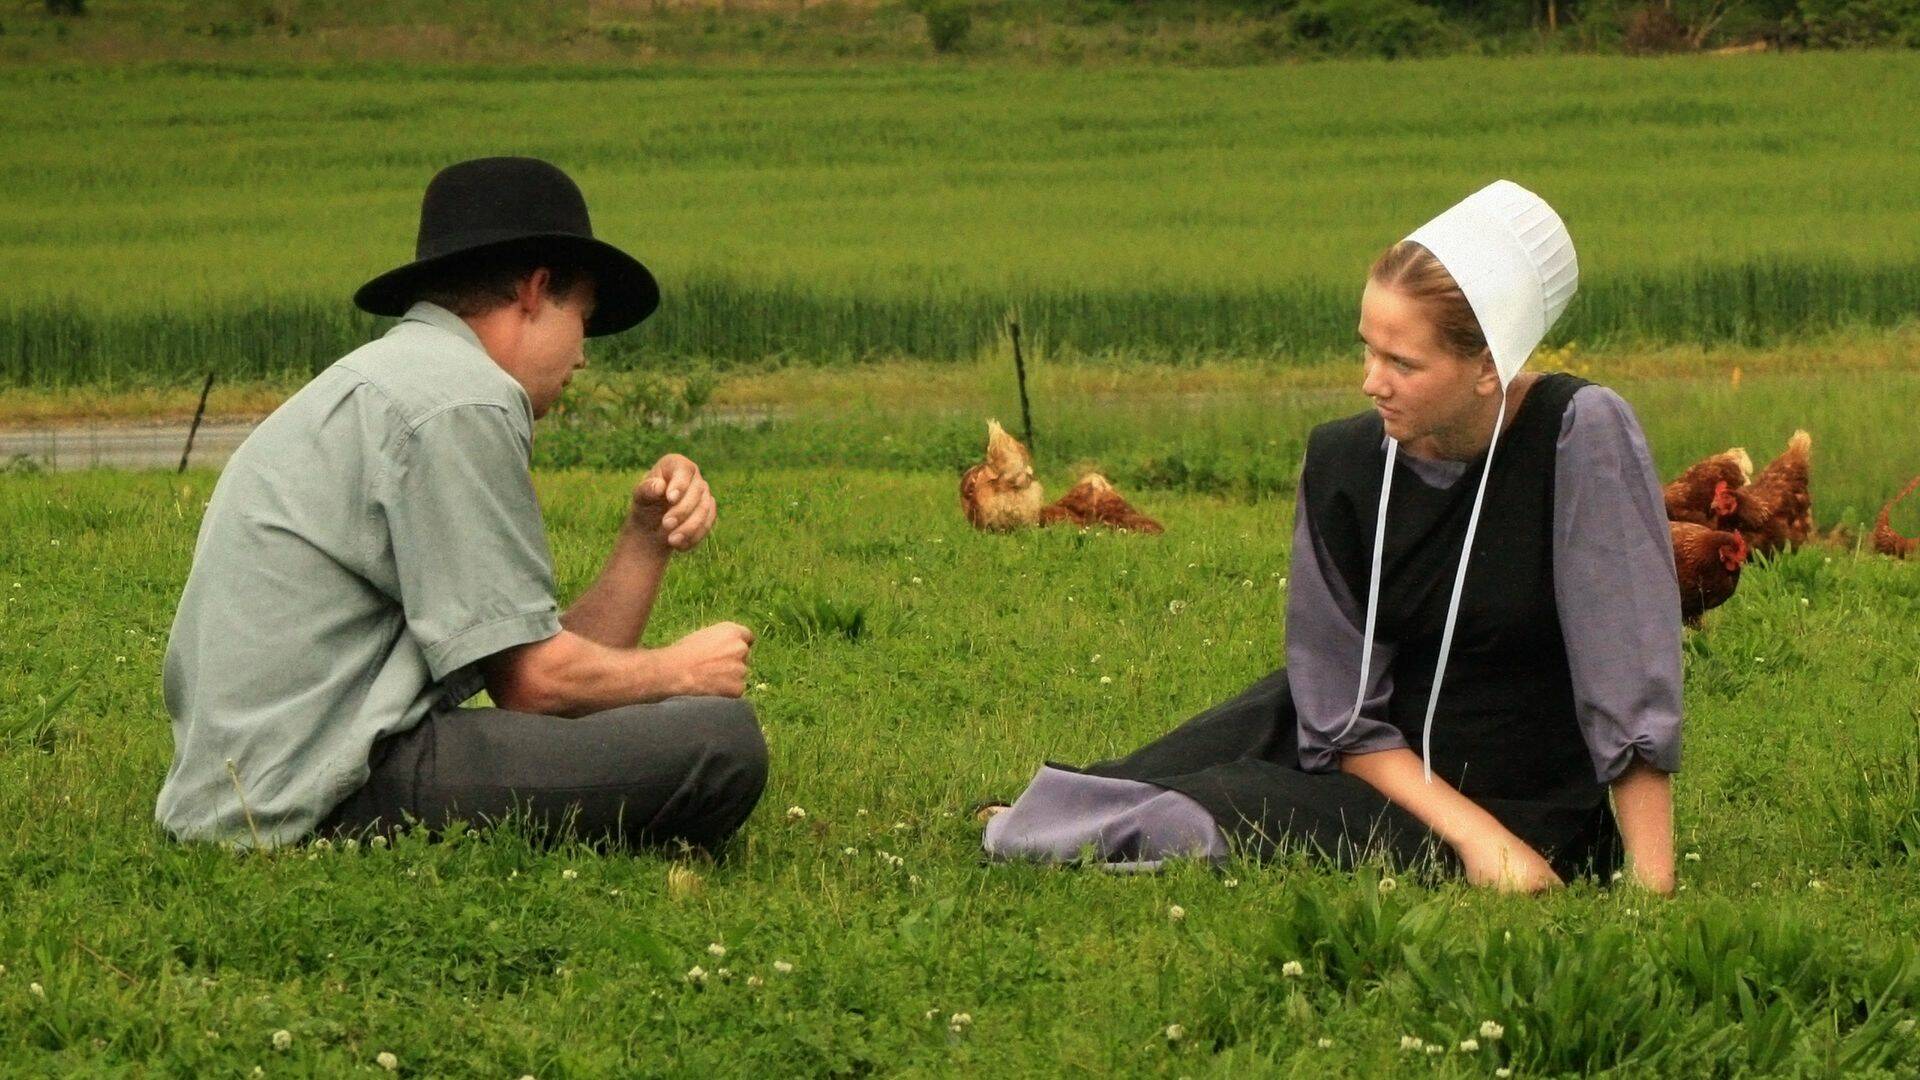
(531, 290)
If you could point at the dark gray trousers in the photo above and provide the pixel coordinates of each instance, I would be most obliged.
(683, 770)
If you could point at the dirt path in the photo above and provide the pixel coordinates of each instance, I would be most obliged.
(105, 445)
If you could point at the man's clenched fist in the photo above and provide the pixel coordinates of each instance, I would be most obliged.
(711, 662)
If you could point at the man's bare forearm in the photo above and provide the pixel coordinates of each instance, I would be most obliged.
(1643, 805)
(571, 675)
(614, 610)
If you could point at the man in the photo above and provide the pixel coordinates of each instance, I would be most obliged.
(373, 554)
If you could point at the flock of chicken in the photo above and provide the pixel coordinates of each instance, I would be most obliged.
(1719, 512)
(1000, 494)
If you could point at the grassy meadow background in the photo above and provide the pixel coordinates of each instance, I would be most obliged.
(168, 219)
(838, 248)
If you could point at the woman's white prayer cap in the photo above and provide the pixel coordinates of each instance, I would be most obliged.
(1511, 255)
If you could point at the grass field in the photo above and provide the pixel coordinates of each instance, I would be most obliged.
(909, 666)
(163, 220)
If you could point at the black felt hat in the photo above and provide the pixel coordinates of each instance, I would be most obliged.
(503, 204)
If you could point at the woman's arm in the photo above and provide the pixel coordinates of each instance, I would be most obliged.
(1643, 805)
(1490, 853)
(1619, 606)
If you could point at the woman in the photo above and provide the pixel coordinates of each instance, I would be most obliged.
(1557, 643)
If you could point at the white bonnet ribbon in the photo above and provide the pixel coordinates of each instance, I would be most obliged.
(1373, 589)
(1453, 605)
(1459, 583)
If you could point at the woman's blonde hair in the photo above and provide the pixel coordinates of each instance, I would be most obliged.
(1413, 270)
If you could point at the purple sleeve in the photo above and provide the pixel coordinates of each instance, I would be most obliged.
(1615, 584)
(1324, 638)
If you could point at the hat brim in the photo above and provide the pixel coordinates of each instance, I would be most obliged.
(625, 291)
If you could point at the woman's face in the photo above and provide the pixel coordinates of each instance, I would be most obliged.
(1421, 390)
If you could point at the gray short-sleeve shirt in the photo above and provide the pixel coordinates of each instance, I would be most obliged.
(368, 543)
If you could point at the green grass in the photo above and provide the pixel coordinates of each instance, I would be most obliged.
(907, 667)
(164, 220)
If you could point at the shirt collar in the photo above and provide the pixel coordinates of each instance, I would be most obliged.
(436, 316)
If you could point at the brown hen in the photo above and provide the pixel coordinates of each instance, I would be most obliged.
(1776, 510)
(1000, 493)
(1708, 562)
(1093, 501)
(1885, 540)
(1703, 494)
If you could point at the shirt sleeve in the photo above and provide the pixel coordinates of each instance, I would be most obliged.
(1615, 584)
(1324, 637)
(469, 546)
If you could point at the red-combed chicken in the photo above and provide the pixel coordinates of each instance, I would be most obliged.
(1703, 493)
(1708, 561)
(1885, 540)
(1093, 501)
(1776, 510)
(1000, 493)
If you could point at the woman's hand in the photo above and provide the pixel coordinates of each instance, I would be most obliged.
(1503, 861)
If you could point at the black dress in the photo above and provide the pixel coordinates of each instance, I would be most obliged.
(1505, 734)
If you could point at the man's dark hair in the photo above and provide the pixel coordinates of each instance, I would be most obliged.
(488, 280)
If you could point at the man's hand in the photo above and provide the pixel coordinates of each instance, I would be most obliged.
(672, 505)
(711, 662)
(1506, 863)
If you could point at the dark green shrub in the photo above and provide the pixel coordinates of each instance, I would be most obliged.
(948, 24)
(1383, 28)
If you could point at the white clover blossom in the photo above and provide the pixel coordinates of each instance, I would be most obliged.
(36, 990)
(1411, 1042)
(570, 874)
(1175, 1033)
(1692, 856)
(716, 949)
(697, 975)
(1292, 969)
(783, 967)
(723, 974)
(959, 1022)
(1468, 1046)
(1105, 679)
(1503, 1072)
(283, 1040)
(386, 1061)
(1230, 883)
(795, 813)
(1387, 884)
(1491, 1031)
(1323, 1043)
(755, 981)
(1176, 912)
